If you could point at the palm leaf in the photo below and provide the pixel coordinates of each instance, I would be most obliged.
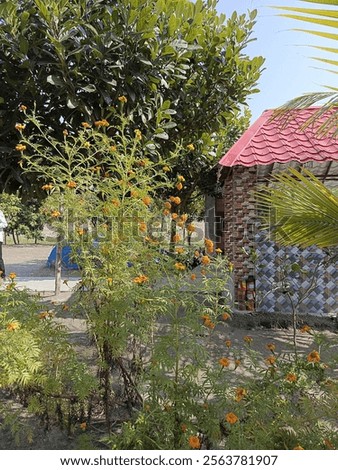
(310, 11)
(327, 61)
(329, 123)
(322, 2)
(319, 17)
(318, 33)
(320, 21)
(326, 49)
(299, 210)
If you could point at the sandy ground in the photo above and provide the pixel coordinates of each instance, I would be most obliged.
(29, 263)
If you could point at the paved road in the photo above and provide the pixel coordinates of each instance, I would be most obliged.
(29, 263)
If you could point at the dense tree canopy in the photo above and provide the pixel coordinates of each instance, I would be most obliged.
(178, 65)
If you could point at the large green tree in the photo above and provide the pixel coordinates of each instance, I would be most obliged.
(177, 65)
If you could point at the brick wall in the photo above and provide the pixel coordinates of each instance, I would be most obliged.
(239, 218)
(237, 208)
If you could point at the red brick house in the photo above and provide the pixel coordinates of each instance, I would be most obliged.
(268, 146)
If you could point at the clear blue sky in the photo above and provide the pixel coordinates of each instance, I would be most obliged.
(289, 70)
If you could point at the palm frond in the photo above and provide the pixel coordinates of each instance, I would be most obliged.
(327, 61)
(326, 49)
(299, 210)
(327, 113)
(310, 11)
(318, 33)
(322, 2)
(320, 21)
(322, 17)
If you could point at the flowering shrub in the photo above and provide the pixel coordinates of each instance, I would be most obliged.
(38, 364)
(151, 318)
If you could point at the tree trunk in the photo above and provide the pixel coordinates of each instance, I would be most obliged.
(58, 266)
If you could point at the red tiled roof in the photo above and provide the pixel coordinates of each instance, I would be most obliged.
(270, 141)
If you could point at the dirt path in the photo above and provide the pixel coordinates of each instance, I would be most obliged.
(29, 261)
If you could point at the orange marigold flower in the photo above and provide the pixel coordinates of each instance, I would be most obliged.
(248, 339)
(83, 426)
(219, 251)
(122, 99)
(167, 205)
(203, 272)
(191, 228)
(224, 362)
(141, 279)
(115, 202)
(143, 227)
(271, 347)
(180, 178)
(44, 315)
(305, 329)
(47, 187)
(22, 108)
(112, 148)
(20, 147)
(313, 357)
(110, 280)
(184, 217)
(231, 418)
(191, 147)
(179, 186)
(71, 184)
(179, 250)
(270, 360)
(205, 260)
(101, 123)
(174, 216)
(166, 212)
(180, 266)
(55, 214)
(209, 245)
(12, 276)
(86, 125)
(240, 394)
(176, 238)
(183, 427)
(226, 316)
(147, 200)
(209, 324)
(193, 277)
(291, 377)
(166, 169)
(194, 442)
(228, 343)
(298, 447)
(81, 231)
(13, 325)
(175, 199)
(19, 126)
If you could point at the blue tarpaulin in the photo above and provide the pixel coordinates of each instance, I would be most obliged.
(65, 258)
